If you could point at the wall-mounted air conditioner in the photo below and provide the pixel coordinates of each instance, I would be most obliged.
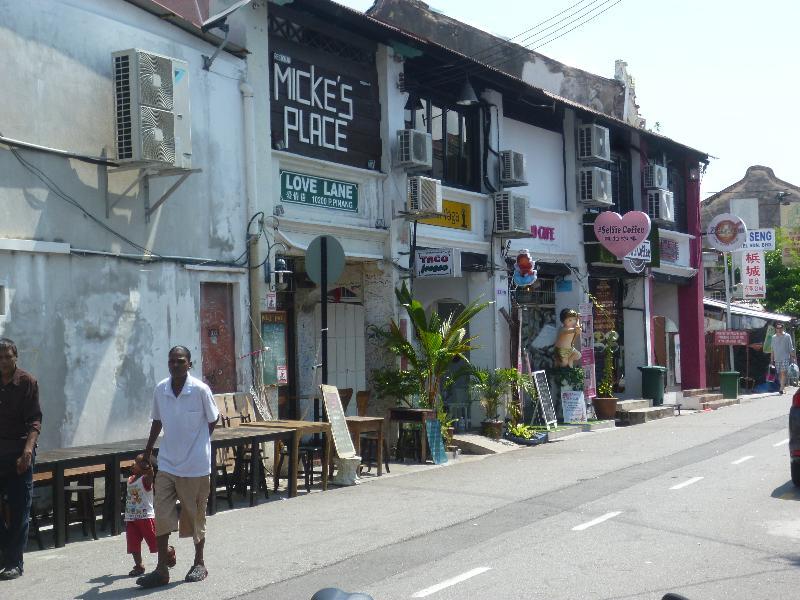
(510, 215)
(661, 205)
(593, 143)
(152, 110)
(655, 177)
(414, 149)
(424, 197)
(512, 169)
(594, 186)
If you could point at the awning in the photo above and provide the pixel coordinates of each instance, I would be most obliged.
(748, 312)
(354, 249)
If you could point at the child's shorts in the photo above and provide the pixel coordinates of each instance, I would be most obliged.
(141, 529)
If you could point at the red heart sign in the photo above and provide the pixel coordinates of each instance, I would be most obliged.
(621, 234)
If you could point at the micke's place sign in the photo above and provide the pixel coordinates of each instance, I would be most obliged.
(299, 188)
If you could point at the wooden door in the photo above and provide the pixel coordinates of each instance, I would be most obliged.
(660, 340)
(217, 337)
(346, 338)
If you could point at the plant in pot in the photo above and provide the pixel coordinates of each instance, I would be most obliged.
(605, 403)
(492, 386)
(570, 383)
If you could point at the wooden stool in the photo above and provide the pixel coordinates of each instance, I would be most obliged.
(369, 451)
(84, 509)
(416, 445)
(33, 528)
(306, 455)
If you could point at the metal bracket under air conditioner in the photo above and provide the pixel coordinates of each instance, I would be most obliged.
(143, 181)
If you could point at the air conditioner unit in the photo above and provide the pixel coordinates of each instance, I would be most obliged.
(424, 197)
(153, 120)
(594, 186)
(510, 215)
(655, 177)
(593, 143)
(661, 205)
(512, 169)
(414, 149)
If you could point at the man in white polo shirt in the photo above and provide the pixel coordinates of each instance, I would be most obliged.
(184, 408)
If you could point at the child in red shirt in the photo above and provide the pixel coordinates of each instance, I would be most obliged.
(140, 515)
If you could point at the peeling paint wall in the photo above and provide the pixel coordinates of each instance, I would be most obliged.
(600, 93)
(95, 330)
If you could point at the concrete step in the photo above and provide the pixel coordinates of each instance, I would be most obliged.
(695, 392)
(633, 403)
(719, 403)
(637, 416)
(697, 402)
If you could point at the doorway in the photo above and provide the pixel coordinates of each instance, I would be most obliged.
(218, 337)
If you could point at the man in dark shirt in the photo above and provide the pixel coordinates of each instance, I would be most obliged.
(20, 425)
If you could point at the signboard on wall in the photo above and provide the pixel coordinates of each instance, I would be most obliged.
(731, 337)
(273, 357)
(455, 215)
(437, 262)
(299, 188)
(324, 99)
(754, 275)
(760, 240)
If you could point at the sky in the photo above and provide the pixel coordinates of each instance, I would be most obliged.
(722, 76)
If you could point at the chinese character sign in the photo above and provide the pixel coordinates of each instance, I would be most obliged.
(754, 280)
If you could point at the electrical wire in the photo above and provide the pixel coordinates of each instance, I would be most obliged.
(538, 42)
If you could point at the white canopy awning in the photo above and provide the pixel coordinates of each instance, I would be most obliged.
(747, 311)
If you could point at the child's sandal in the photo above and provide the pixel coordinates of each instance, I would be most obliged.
(136, 572)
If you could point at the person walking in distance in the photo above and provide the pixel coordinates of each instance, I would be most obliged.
(184, 408)
(20, 425)
(782, 354)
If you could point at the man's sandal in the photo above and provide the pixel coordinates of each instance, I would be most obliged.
(171, 558)
(197, 573)
(152, 580)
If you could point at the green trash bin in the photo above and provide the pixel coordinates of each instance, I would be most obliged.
(729, 384)
(653, 383)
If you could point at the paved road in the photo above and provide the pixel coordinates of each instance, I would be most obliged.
(699, 504)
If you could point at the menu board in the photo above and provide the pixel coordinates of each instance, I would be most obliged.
(335, 414)
(273, 352)
(545, 399)
(606, 312)
(433, 429)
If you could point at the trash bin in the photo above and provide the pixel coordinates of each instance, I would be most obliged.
(729, 384)
(653, 381)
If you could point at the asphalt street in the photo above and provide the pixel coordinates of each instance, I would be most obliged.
(699, 504)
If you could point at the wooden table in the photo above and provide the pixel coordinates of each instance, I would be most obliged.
(359, 425)
(112, 454)
(414, 415)
(301, 428)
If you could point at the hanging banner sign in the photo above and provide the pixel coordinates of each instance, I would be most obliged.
(726, 233)
(754, 279)
(760, 239)
(731, 337)
(439, 262)
(271, 302)
(621, 234)
(587, 349)
(318, 191)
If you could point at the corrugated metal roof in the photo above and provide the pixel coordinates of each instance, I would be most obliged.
(747, 311)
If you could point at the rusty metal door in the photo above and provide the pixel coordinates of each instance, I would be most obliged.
(217, 337)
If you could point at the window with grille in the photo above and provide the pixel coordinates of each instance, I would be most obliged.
(306, 36)
(454, 131)
(677, 186)
(544, 292)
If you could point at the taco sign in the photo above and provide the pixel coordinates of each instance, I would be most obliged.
(439, 262)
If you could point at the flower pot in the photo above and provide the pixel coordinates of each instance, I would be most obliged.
(492, 429)
(605, 408)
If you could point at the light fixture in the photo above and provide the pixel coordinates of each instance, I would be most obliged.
(281, 272)
(467, 97)
(278, 210)
(413, 103)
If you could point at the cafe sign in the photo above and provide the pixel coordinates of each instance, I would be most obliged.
(437, 262)
(299, 188)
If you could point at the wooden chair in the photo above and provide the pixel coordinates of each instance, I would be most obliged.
(362, 402)
(369, 440)
(344, 395)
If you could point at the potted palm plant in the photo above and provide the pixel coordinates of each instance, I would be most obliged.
(605, 403)
(492, 387)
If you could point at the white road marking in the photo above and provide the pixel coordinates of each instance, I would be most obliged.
(597, 521)
(741, 460)
(685, 483)
(782, 443)
(450, 582)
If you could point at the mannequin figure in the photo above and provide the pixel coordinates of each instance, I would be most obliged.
(565, 353)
